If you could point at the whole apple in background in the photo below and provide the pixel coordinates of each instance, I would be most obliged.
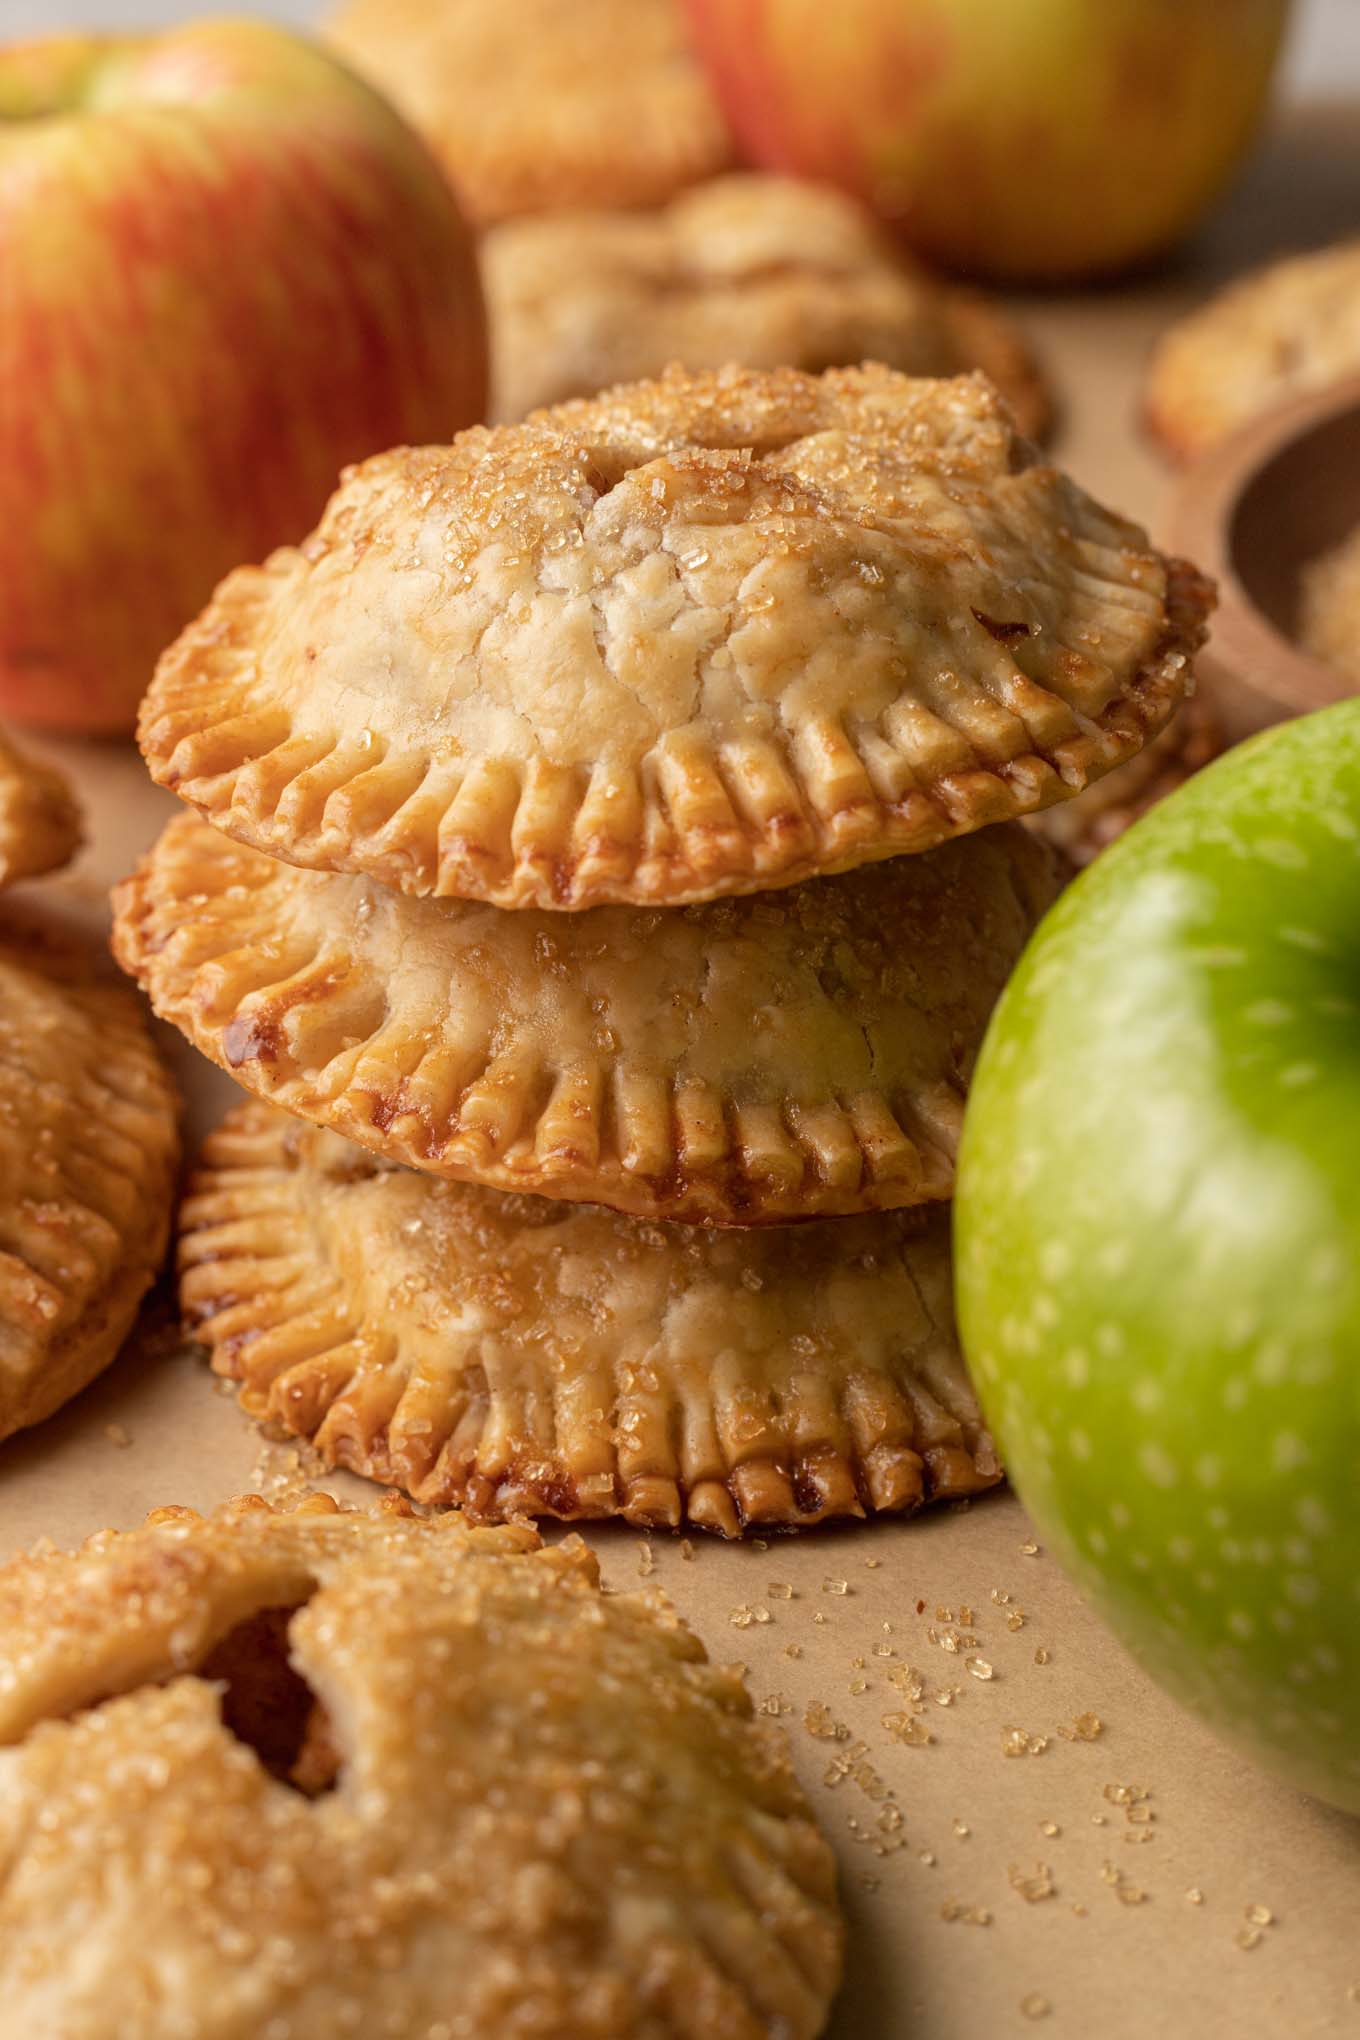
(1020, 139)
(1158, 1242)
(226, 269)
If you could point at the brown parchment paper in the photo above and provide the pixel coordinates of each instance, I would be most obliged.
(1094, 1885)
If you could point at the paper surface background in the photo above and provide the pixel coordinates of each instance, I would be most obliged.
(1103, 1966)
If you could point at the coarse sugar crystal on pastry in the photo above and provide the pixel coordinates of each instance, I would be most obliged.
(736, 1063)
(518, 1357)
(331, 1771)
(765, 271)
(711, 634)
(39, 819)
(89, 1149)
(1291, 327)
(1329, 607)
(538, 104)
(1084, 826)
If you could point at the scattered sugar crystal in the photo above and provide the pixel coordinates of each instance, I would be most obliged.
(1032, 1886)
(979, 1667)
(1035, 2006)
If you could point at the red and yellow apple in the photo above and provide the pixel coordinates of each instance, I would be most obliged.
(227, 268)
(1011, 138)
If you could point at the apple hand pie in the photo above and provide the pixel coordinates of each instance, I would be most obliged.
(736, 1063)
(39, 820)
(1329, 607)
(340, 1772)
(538, 104)
(89, 1151)
(1084, 826)
(1286, 329)
(711, 634)
(765, 271)
(518, 1357)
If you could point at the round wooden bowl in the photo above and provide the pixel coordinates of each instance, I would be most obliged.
(1253, 512)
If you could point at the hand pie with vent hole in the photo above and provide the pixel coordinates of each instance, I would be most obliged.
(516, 1357)
(39, 820)
(1081, 828)
(89, 1149)
(475, 1796)
(711, 634)
(1329, 607)
(765, 271)
(1291, 327)
(538, 104)
(736, 1063)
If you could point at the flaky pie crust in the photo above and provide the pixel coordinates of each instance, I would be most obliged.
(736, 1063)
(535, 104)
(40, 827)
(89, 1150)
(513, 1357)
(712, 634)
(550, 1814)
(1285, 329)
(761, 270)
(1081, 828)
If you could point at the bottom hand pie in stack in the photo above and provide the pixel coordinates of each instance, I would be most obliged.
(753, 1059)
(89, 1150)
(39, 819)
(500, 1803)
(516, 1356)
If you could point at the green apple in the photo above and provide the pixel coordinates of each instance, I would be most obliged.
(1158, 1227)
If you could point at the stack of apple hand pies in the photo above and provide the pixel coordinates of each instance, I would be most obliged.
(604, 850)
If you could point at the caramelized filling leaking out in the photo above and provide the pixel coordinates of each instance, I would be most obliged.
(269, 1706)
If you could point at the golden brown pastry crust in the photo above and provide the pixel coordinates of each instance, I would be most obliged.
(89, 1150)
(1329, 607)
(540, 104)
(1290, 327)
(707, 635)
(765, 271)
(1081, 828)
(39, 820)
(738, 1063)
(552, 1815)
(511, 1356)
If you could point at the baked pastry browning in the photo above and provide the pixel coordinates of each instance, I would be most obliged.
(540, 104)
(711, 634)
(1291, 327)
(766, 271)
(338, 1772)
(750, 1060)
(518, 1357)
(88, 1155)
(39, 819)
(1081, 828)
(1329, 607)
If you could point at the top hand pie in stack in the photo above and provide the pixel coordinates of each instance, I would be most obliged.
(711, 634)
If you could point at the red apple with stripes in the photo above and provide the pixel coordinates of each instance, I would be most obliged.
(228, 269)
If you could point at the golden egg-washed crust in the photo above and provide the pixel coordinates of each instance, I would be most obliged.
(1080, 829)
(1291, 327)
(1329, 607)
(737, 1063)
(513, 1357)
(89, 1149)
(765, 271)
(39, 819)
(538, 104)
(705, 635)
(551, 1814)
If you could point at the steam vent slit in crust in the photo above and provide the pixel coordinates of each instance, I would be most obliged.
(707, 635)
(742, 1062)
(511, 1356)
(326, 1771)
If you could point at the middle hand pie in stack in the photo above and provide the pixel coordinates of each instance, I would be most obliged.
(648, 655)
